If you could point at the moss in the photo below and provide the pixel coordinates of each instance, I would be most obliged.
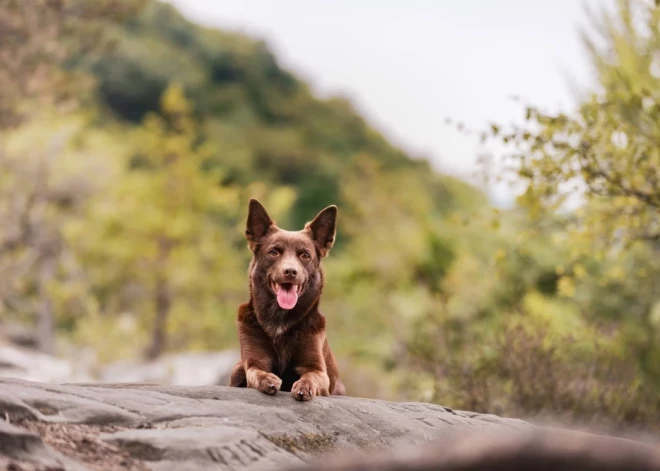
(307, 443)
(142, 451)
(45, 409)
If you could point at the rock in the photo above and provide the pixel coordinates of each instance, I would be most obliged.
(215, 447)
(191, 369)
(108, 426)
(19, 358)
(27, 364)
(510, 450)
(18, 335)
(20, 449)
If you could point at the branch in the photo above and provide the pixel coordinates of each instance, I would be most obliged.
(590, 164)
(644, 197)
(24, 228)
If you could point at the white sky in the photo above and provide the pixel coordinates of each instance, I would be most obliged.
(409, 64)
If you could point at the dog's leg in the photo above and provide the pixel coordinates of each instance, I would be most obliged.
(312, 383)
(310, 365)
(336, 386)
(258, 356)
(238, 379)
(265, 382)
(339, 389)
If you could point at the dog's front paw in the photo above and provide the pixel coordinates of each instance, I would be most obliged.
(306, 388)
(267, 383)
(303, 390)
(270, 383)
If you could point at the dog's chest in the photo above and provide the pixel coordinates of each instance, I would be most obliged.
(283, 351)
(283, 366)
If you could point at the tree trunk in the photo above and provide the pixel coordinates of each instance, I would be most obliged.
(163, 304)
(45, 315)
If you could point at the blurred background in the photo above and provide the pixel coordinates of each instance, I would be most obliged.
(496, 168)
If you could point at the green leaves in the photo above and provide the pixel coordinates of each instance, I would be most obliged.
(38, 39)
(541, 308)
(155, 230)
(607, 151)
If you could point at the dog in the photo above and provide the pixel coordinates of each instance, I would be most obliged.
(281, 332)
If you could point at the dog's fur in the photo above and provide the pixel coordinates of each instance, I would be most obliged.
(286, 348)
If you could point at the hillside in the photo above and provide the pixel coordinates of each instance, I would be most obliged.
(265, 120)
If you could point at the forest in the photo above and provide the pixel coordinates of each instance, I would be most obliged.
(132, 139)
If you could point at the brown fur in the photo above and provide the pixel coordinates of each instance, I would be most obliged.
(286, 349)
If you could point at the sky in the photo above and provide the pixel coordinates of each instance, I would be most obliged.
(407, 65)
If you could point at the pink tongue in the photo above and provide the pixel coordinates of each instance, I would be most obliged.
(287, 299)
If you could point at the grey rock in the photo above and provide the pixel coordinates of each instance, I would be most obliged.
(216, 427)
(17, 334)
(19, 359)
(189, 369)
(507, 450)
(18, 447)
(27, 364)
(215, 447)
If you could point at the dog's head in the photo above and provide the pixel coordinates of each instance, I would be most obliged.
(286, 264)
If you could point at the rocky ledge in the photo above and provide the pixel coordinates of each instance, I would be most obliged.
(150, 427)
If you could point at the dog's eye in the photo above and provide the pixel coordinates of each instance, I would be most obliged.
(273, 253)
(305, 255)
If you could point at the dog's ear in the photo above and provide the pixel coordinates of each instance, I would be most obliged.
(322, 229)
(258, 223)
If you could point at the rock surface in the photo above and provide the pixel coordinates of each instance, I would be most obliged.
(510, 450)
(177, 369)
(27, 364)
(19, 358)
(151, 427)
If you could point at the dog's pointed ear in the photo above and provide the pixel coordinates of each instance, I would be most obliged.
(258, 223)
(322, 229)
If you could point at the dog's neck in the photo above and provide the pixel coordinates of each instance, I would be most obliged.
(277, 321)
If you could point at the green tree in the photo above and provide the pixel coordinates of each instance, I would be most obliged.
(157, 243)
(37, 37)
(43, 190)
(40, 192)
(605, 156)
(585, 311)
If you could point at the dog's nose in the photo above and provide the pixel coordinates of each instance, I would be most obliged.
(290, 272)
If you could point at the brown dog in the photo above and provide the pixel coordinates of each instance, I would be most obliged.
(281, 331)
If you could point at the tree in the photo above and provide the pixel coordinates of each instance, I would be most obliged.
(160, 232)
(44, 188)
(567, 323)
(36, 39)
(36, 198)
(591, 183)
(605, 156)
(596, 172)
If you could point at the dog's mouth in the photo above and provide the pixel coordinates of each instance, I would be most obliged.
(286, 294)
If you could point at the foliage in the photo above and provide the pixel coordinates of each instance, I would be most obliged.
(269, 125)
(158, 230)
(574, 332)
(124, 231)
(36, 36)
(605, 155)
(42, 188)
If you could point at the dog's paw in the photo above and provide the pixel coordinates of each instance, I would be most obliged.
(270, 383)
(305, 389)
(267, 383)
